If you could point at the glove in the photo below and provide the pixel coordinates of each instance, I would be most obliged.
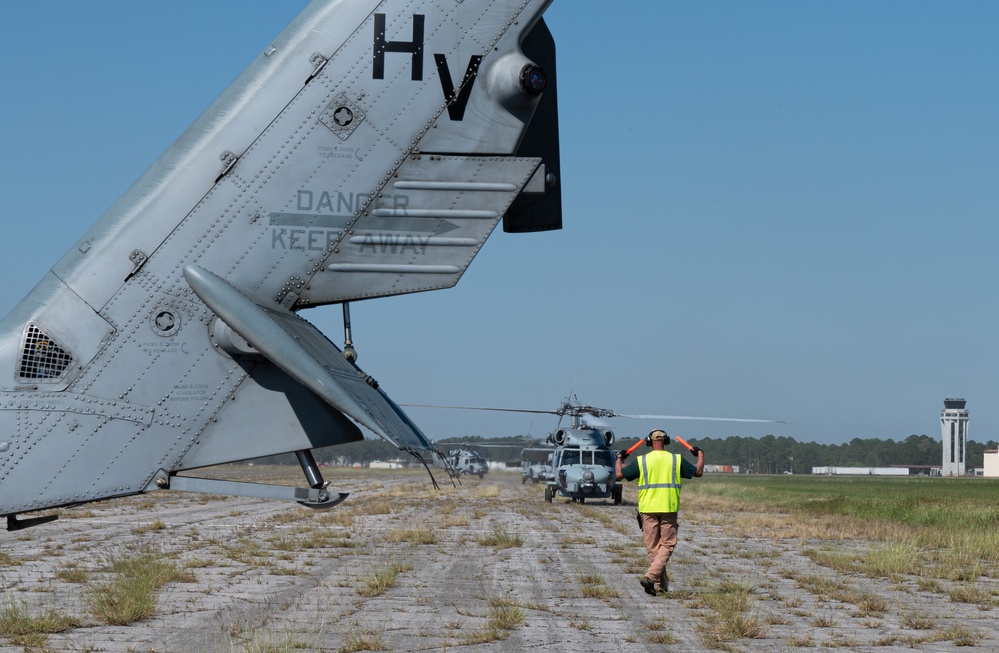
(696, 451)
(622, 455)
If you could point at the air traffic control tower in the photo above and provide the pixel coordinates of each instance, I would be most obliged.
(954, 427)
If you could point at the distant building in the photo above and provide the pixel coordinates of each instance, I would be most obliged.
(862, 471)
(991, 467)
(954, 429)
(721, 469)
(390, 464)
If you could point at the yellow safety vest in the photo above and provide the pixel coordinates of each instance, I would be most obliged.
(659, 482)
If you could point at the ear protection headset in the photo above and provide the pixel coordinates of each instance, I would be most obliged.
(648, 438)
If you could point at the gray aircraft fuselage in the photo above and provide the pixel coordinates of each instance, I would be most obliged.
(368, 151)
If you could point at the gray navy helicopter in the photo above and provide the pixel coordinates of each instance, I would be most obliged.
(368, 151)
(464, 459)
(467, 462)
(536, 465)
(582, 461)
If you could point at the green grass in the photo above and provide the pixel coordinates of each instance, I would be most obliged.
(127, 592)
(731, 615)
(964, 504)
(383, 578)
(282, 642)
(360, 639)
(72, 574)
(417, 535)
(592, 586)
(501, 539)
(948, 513)
(504, 616)
(971, 594)
(23, 628)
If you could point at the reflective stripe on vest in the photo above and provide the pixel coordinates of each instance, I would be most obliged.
(659, 482)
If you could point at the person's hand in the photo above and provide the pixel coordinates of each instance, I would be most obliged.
(696, 451)
(622, 455)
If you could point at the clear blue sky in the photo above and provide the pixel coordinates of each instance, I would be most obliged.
(773, 209)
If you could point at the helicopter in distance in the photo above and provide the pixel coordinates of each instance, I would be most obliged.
(368, 151)
(582, 459)
(467, 462)
(463, 457)
(536, 465)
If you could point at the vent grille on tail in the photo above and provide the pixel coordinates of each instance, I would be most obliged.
(42, 359)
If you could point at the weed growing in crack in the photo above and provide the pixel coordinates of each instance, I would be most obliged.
(383, 578)
(127, 593)
(30, 631)
(362, 639)
(730, 617)
(415, 535)
(593, 587)
(501, 539)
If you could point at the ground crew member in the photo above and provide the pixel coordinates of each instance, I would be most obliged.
(660, 475)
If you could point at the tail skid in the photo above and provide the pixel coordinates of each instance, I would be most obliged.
(318, 498)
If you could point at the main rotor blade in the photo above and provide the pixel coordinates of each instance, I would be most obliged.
(613, 414)
(709, 419)
(469, 446)
(504, 410)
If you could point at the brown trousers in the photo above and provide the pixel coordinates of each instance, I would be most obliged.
(659, 535)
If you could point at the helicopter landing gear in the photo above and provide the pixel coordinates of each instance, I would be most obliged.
(616, 495)
(548, 493)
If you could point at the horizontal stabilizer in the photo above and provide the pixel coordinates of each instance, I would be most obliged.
(302, 351)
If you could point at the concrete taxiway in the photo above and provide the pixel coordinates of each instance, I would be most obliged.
(485, 566)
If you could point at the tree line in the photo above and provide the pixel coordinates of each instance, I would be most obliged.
(765, 455)
(776, 455)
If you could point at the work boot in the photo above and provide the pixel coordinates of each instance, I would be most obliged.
(663, 584)
(648, 586)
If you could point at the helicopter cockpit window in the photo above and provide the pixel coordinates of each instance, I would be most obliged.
(570, 457)
(603, 457)
(42, 359)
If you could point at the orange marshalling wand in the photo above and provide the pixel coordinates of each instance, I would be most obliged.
(683, 442)
(640, 442)
(633, 447)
